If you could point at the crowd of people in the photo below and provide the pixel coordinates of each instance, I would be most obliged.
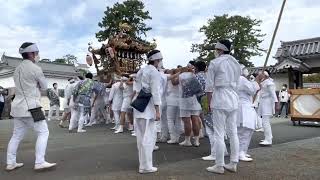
(156, 105)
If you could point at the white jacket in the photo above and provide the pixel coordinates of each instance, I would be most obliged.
(116, 96)
(29, 80)
(222, 79)
(268, 98)
(247, 113)
(149, 80)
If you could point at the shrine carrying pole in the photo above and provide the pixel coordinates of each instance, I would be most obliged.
(274, 35)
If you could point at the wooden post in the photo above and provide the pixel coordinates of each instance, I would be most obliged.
(274, 35)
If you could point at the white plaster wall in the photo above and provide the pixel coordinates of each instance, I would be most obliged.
(62, 83)
(280, 79)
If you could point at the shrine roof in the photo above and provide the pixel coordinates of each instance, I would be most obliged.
(301, 49)
(50, 69)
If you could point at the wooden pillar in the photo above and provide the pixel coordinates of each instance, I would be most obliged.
(291, 78)
(300, 79)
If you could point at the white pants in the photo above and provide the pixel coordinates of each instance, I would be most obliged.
(245, 135)
(259, 120)
(164, 123)
(74, 118)
(267, 128)
(55, 108)
(224, 121)
(116, 115)
(145, 130)
(210, 133)
(21, 126)
(83, 117)
(174, 121)
(96, 113)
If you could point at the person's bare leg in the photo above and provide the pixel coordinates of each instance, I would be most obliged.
(64, 118)
(187, 132)
(196, 129)
(130, 116)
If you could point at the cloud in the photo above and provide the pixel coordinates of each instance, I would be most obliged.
(78, 12)
(67, 27)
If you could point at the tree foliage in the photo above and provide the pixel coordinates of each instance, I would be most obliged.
(242, 31)
(67, 59)
(313, 78)
(131, 12)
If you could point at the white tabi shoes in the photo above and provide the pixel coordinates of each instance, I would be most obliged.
(186, 143)
(119, 129)
(265, 143)
(156, 148)
(173, 140)
(259, 130)
(144, 171)
(81, 131)
(133, 134)
(44, 166)
(232, 167)
(11, 167)
(243, 157)
(216, 169)
(209, 158)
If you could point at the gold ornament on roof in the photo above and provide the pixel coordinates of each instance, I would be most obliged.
(122, 54)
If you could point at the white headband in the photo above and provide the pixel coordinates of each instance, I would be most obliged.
(221, 46)
(31, 48)
(156, 56)
(133, 75)
(124, 79)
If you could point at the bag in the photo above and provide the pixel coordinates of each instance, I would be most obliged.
(37, 114)
(190, 86)
(142, 101)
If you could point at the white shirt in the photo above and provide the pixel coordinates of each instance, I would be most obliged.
(284, 96)
(247, 113)
(149, 80)
(1, 98)
(68, 93)
(127, 90)
(163, 88)
(268, 98)
(222, 79)
(116, 96)
(29, 80)
(172, 94)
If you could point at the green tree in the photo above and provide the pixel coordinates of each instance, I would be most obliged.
(312, 78)
(45, 60)
(67, 59)
(131, 12)
(242, 31)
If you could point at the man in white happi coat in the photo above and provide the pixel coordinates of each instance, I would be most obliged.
(126, 109)
(268, 101)
(29, 81)
(66, 101)
(163, 129)
(116, 99)
(247, 114)
(148, 80)
(222, 82)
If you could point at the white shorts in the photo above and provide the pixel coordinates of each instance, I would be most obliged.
(126, 105)
(67, 110)
(189, 113)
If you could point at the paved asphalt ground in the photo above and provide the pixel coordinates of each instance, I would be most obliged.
(100, 154)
